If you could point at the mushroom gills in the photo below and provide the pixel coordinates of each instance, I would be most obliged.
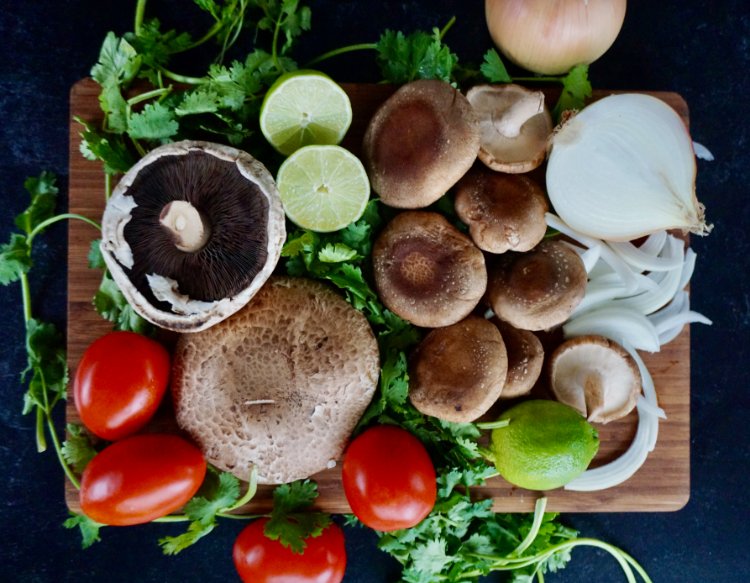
(595, 376)
(218, 258)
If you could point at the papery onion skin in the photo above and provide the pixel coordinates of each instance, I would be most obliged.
(624, 168)
(552, 36)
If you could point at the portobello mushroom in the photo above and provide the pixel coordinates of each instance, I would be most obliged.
(191, 233)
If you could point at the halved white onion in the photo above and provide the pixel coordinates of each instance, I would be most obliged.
(624, 167)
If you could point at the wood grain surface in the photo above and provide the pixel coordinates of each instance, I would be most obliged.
(662, 484)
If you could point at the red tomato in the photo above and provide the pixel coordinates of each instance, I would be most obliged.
(119, 383)
(141, 478)
(258, 559)
(388, 478)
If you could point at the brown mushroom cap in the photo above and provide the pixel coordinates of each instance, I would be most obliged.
(539, 289)
(191, 232)
(280, 385)
(426, 270)
(458, 372)
(504, 212)
(525, 359)
(515, 125)
(595, 376)
(419, 143)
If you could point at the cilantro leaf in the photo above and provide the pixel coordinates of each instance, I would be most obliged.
(576, 89)
(88, 528)
(15, 259)
(155, 47)
(291, 522)
(494, 69)
(47, 365)
(203, 509)
(43, 192)
(109, 149)
(336, 253)
(77, 448)
(202, 100)
(431, 557)
(95, 257)
(118, 62)
(155, 122)
(419, 55)
(111, 304)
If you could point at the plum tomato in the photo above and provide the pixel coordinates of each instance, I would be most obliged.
(258, 559)
(388, 478)
(119, 383)
(141, 478)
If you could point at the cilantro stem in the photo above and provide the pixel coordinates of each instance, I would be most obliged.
(57, 218)
(447, 27)
(140, 10)
(494, 424)
(252, 488)
(41, 440)
(274, 44)
(182, 78)
(149, 95)
(107, 186)
(536, 524)
(341, 51)
(58, 450)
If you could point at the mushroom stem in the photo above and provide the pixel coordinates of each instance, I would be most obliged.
(186, 225)
(512, 120)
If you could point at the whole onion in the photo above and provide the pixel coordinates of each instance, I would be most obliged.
(552, 36)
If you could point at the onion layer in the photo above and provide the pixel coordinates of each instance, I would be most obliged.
(623, 168)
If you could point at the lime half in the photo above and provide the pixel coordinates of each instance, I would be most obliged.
(544, 446)
(303, 108)
(323, 188)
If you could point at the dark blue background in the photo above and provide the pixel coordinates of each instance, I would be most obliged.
(698, 49)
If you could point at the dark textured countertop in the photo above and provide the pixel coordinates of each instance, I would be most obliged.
(698, 49)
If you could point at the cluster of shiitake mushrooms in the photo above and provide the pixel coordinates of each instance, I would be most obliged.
(430, 272)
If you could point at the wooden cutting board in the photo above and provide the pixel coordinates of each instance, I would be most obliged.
(662, 484)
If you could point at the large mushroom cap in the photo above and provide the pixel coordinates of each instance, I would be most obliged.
(539, 289)
(525, 359)
(419, 143)
(426, 270)
(596, 376)
(515, 126)
(280, 385)
(504, 212)
(457, 372)
(191, 232)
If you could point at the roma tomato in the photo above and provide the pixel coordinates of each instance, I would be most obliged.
(119, 383)
(258, 559)
(141, 478)
(389, 479)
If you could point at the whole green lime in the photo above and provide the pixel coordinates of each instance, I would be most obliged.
(544, 446)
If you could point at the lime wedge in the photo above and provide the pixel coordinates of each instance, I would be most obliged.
(303, 108)
(323, 188)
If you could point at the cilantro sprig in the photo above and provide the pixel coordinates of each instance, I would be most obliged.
(46, 372)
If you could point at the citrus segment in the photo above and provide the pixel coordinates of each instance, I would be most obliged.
(303, 108)
(323, 188)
